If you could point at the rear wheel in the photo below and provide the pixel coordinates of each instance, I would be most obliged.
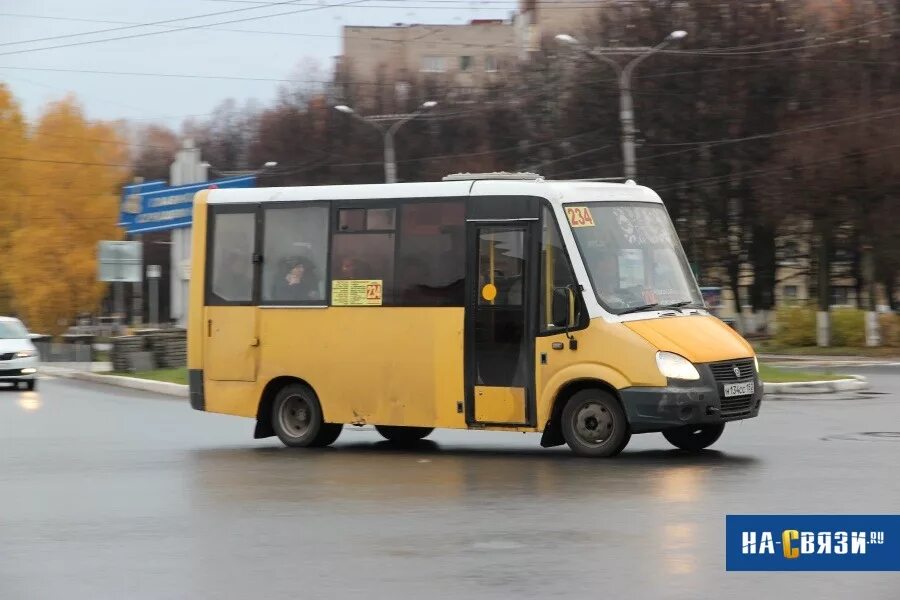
(403, 435)
(694, 437)
(594, 424)
(297, 418)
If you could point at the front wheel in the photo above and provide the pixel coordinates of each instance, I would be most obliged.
(403, 435)
(31, 384)
(297, 418)
(694, 437)
(594, 424)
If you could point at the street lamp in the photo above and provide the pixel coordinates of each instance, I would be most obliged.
(626, 105)
(271, 164)
(390, 163)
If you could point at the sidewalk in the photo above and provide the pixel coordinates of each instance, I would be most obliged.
(94, 374)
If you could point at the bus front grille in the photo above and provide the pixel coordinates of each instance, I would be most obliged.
(725, 372)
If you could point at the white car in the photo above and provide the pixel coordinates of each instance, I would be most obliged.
(18, 356)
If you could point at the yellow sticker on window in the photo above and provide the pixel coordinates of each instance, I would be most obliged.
(580, 216)
(356, 292)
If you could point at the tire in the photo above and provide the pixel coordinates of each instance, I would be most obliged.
(297, 418)
(403, 435)
(594, 424)
(31, 384)
(693, 437)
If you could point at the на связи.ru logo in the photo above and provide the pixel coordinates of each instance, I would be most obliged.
(812, 542)
(794, 543)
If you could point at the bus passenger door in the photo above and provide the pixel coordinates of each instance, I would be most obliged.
(231, 345)
(499, 353)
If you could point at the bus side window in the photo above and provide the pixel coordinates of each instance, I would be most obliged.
(432, 254)
(295, 247)
(364, 256)
(232, 258)
(555, 269)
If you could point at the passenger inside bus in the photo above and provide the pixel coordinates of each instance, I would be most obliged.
(299, 283)
(354, 268)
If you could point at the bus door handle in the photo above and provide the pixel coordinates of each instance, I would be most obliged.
(557, 345)
(209, 328)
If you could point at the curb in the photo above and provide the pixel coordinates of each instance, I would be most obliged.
(146, 385)
(855, 384)
(824, 358)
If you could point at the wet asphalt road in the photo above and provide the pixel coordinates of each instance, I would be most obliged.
(106, 493)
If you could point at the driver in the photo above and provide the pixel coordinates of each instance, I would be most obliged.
(606, 273)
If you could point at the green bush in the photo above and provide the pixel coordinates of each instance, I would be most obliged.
(796, 326)
(848, 327)
(890, 329)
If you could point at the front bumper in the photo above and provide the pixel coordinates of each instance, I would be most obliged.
(688, 403)
(12, 370)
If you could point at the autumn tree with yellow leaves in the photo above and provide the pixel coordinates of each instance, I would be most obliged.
(69, 171)
(12, 141)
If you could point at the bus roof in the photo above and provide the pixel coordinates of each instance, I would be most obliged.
(555, 191)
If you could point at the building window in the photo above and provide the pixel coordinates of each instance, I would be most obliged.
(744, 296)
(842, 255)
(295, 248)
(789, 253)
(465, 63)
(842, 295)
(434, 64)
(431, 267)
(490, 63)
(232, 258)
(789, 294)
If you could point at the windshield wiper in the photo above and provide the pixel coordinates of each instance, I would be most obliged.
(678, 305)
(657, 305)
(635, 309)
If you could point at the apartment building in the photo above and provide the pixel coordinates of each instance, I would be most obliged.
(380, 65)
(538, 20)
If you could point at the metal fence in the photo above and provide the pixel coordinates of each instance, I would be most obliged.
(73, 355)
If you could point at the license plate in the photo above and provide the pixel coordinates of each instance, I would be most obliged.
(738, 389)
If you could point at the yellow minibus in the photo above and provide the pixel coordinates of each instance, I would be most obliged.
(496, 301)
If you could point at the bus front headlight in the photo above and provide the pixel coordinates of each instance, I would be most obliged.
(675, 366)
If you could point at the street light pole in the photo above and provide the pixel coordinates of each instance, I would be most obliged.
(623, 76)
(390, 161)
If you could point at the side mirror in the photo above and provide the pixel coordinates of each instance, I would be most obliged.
(563, 308)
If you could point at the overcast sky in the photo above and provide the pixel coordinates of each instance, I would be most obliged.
(286, 44)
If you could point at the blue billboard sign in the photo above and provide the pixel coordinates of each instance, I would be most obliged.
(137, 188)
(154, 207)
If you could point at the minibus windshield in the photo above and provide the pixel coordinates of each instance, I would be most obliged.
(633, 256)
